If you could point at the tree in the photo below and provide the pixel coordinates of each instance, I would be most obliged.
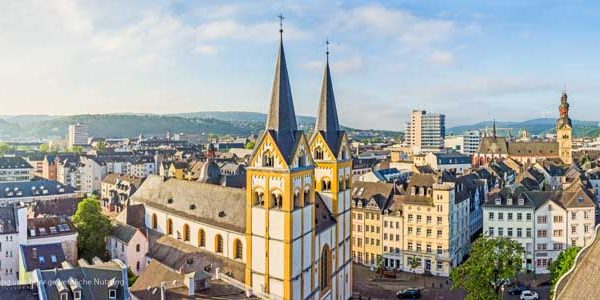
(131, 278)
(250, 145)
(101, 146)
(92, 228)
(4, 147)
(413, 263)
(44, 148)
(76, 149)
(491, 263)
(561, 265)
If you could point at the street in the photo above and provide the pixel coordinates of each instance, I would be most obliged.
(369, 286)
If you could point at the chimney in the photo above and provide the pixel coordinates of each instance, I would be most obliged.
(509, 200)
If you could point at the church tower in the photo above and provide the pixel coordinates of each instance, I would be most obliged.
(280, 205)
(564, 131)
(333, 172)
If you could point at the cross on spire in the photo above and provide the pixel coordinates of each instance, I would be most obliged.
(281, 17)
(327, 51)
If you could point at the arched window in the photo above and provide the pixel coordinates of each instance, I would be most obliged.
(137, 266)
(186, 232)
(218, 243)
(348, 182)
(237, 246)
(169, 226)
(137, 248)
(301, 159)
(268, 160)
(325, 268)
(319, 153)
(259, 198)
(325, 185)
(297, 201)
(276, 200)
(306, 196)
(154, 221)
(201, 238)
(344, 154)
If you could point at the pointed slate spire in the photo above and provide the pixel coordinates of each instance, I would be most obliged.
(327, 117)
(494, 130)
(282, 117)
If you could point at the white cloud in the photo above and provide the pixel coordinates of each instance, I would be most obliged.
(441, 58)
(207, 49)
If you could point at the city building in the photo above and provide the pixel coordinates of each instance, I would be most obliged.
(14, 169)
(466, 143)
(78, 135)
(425, 131)
(544, 222)
(453, 162)
(43, 257)
(495, 148)
(117, 189)
(54, 230)
(35, 190)
(13, 232)
(88, 280)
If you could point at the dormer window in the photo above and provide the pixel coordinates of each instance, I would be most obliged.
(64, 296)
(77, 295)
(112, 294)
(498, 201)
(301, 159)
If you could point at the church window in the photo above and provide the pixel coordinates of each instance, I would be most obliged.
(237, 245)
(268, 159)
(169, 226)
(218, 243)
(301, 159)
(201, 238)
(318, 153)
(325, 269)
(306, 196)
(297, 199)
(186, 232)
(154, 221)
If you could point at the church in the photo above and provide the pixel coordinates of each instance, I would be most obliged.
(495, 148)
(287, 235)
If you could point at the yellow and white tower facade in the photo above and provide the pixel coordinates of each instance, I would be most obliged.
(564, 131)
(295, 249)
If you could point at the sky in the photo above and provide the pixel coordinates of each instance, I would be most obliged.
(471, 60)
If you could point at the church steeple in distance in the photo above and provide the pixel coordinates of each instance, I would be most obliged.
(282, 117)
(563, 110)
(327, 118)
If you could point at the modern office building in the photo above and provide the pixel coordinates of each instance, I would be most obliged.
(78, 135)
(425, 132)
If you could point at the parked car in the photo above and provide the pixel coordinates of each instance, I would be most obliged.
(412, 293)
(529, 295)
(517, 289)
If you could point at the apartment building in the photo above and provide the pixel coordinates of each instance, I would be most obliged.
(425, 131)
(15, 169)
(544, 222)
(369, 199)
(78, 135)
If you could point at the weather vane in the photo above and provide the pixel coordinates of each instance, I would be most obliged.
(280, 16)
(327, 46)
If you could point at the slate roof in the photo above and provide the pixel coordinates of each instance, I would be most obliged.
(323, 217)
(327, 117)
(533, 149)
(21, 292)
(493, 145)
(98, 276)
(213, 204)
(133, 214)
(123, 232)
(34, 188)
(49, 226)
(281, 119)
(43, 257)
(7, 162)
(8, 219)
(379, 192)
(113, 178)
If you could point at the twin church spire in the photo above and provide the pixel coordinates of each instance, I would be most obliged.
(281, 120)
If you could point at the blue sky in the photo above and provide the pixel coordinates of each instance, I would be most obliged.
(472, 60)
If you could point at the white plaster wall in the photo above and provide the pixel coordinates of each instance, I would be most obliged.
(258, 254)
(276, 224)
(276, 259)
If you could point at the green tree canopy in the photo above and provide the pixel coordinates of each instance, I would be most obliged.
(562, 264)
(4, 147)
(92, 228)
(492, 261)
(250, 145)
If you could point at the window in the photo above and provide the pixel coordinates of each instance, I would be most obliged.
(542, 233)
(439, 220)
(410, 217)
(325, 268)
(519, 217)
(428, 232)
(491, 216)
(528, 217)
(558, 246)
(573, 229)
(137, 248)
(509, 231)
(586, 215)
(542, 219)
(418, 218)
(268, 159)
(137, 266)
(410, 246)
(542, 247)
(201, 238)
(519, 232)
(528, 232)
(510, 216)
(557, 233)
(586, 228)
(558, 219)
(500, 216)
(318, 153)
(439, 233)
(237, 245)
(573, 215)
(154, 221)
(428, 219)
(169, 226)
(428, 248)
(491, 231)
(112, 294)
(500, 231)
(77, 295)
(186, 232)
(218, 243)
